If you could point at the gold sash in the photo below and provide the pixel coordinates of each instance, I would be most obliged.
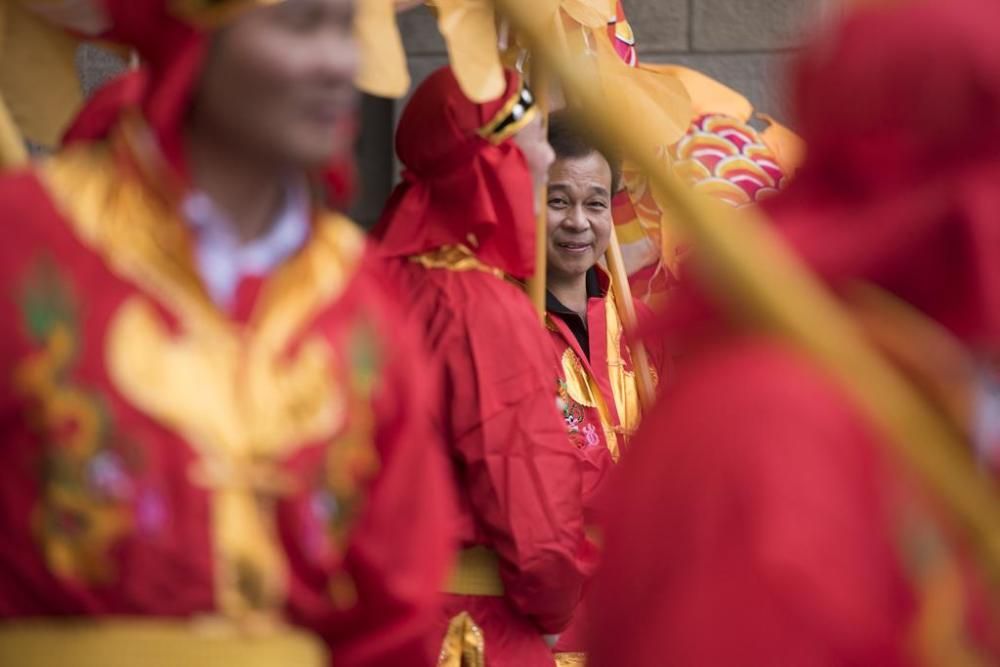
(119, 642)
(477, 572)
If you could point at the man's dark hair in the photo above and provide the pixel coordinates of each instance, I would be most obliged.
(569, 141)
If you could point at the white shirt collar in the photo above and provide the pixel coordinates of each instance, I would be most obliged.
(223, 260)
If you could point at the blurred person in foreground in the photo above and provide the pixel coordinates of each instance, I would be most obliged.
(596, 380)
(215, 444)
(458, 236)
(760, 518)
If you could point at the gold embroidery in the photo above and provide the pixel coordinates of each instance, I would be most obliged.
(571, 660)
(463, 644)
(240, 395)
(583, 389)
(579, 385)
(351, 459)
(623, 381)
(118, 642)
(455, 258)
(83, 507)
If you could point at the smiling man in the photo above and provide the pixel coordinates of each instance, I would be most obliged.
(597, 393)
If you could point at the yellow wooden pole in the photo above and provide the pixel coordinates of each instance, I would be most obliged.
(13, 152)
(536, 284)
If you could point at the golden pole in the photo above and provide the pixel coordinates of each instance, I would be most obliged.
(536, 283)
(754, 274)
(13, 152)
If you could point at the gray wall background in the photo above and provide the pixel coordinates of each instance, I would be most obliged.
(746, 44)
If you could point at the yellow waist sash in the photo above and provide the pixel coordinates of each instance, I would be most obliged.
(119, 642)
(477, 572)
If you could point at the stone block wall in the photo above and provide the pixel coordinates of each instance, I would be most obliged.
(746, 44)
(96, 66)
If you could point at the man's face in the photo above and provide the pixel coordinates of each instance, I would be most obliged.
(279, 82)
(579, 214)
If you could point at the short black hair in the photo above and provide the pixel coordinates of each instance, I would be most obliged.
(570, 141)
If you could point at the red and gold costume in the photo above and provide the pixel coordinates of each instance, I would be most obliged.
(457, 233)
(598, 398)
(257, 485)
(597, 389)
(762, 517)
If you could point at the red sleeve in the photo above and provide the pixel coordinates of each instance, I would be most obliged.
(519, 472)
(403, 546)
(748, 527)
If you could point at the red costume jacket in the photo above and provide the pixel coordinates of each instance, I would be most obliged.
(164, 459)
(519, 479)
(596, 386)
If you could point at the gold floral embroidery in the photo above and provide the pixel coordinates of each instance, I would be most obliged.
(455, 258)
(84, 504)
(350, 459)
(573, 414)
(242, 396)
(578, 386)
(577, 392)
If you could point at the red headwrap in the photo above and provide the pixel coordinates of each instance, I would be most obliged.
(901, 113)
(172, 52)
(465, 181)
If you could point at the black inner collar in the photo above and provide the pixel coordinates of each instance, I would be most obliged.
(577, 323)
